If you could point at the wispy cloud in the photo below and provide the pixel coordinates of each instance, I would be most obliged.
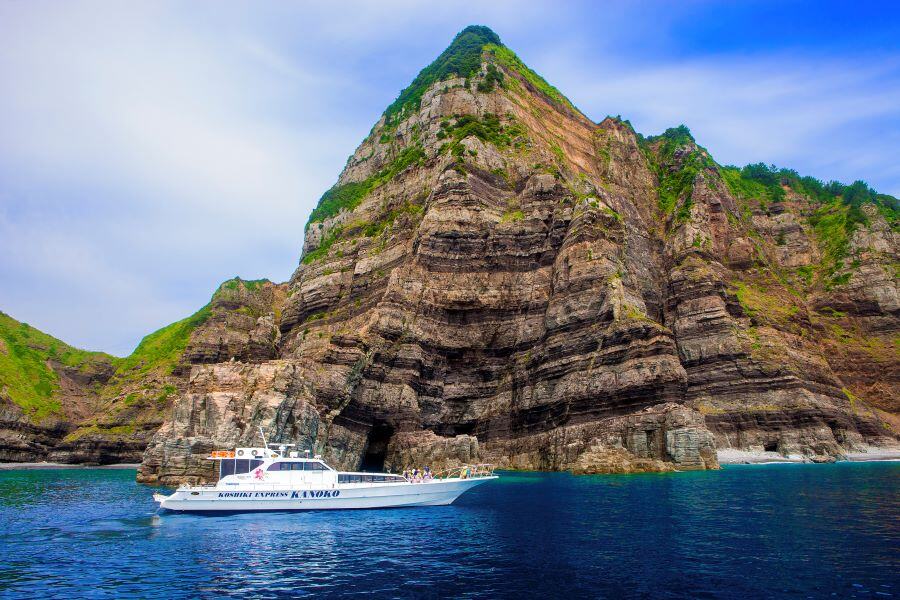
(821, 116)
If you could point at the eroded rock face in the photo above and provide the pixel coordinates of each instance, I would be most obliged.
(663, 437)
(22, 440)
(521, 295)
(241, 325)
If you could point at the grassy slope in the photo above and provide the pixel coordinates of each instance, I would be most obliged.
(140, 391)
(25, 373)
(163, 348)
(349, 195)
(26, 353)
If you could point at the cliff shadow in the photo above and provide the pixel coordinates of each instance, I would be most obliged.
(376, 447)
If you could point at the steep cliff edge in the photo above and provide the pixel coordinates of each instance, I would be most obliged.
(496, 276)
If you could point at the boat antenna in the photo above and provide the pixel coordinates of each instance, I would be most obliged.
(265, 445)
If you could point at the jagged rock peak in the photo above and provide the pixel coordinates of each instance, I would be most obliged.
(462, 58)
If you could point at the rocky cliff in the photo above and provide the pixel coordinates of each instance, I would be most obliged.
(496, 277)
(58, 403)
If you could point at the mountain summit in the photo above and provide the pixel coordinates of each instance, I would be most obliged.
(462, 58)
(496, 277)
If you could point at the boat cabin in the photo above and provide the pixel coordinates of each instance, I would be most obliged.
(266, 466)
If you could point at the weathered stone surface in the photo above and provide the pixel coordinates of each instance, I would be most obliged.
(663, 437)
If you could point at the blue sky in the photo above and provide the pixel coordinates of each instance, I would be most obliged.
(152, 150)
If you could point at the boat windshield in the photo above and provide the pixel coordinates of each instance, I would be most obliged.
(237, 466)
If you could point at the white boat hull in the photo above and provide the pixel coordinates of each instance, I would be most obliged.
(267, 497)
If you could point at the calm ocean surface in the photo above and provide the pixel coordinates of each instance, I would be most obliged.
(775, 531)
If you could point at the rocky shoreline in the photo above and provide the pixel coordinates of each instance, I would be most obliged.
(31, 466)
(746, 457)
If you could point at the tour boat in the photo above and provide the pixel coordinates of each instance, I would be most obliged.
(267, 479)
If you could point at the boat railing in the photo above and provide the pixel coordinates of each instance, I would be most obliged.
(466, 471)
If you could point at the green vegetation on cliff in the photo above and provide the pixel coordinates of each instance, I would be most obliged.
(769, 183)
(30, 359)
(677, 159)
(510, 61)
(26, 375)
(488, 129)
(162, 349)
(348, 196)
(462, 58)
(250, 285)
(837, 207)
(321, 251)
(492, 77)
(833, 224)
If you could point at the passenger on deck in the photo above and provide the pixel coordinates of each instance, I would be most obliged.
(428, 476)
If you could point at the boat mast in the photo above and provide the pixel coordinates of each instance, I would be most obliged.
(265, 445)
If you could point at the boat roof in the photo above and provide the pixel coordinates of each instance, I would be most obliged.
(259, 453)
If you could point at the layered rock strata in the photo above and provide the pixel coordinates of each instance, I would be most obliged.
(496, 277)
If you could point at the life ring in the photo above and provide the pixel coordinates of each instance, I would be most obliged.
(240, 452)
(253, 452)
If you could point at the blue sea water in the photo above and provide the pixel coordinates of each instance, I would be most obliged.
(775, 531)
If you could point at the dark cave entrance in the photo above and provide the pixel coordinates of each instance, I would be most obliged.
(376, 447)
(770, 446)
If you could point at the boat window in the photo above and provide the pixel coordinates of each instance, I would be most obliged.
(238, 466)
(298, 466)
(315, 466)
(275, 467)
(226, 467)
(365, 478)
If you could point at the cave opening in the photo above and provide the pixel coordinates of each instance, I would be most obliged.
(376, 448)
(770, 446)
